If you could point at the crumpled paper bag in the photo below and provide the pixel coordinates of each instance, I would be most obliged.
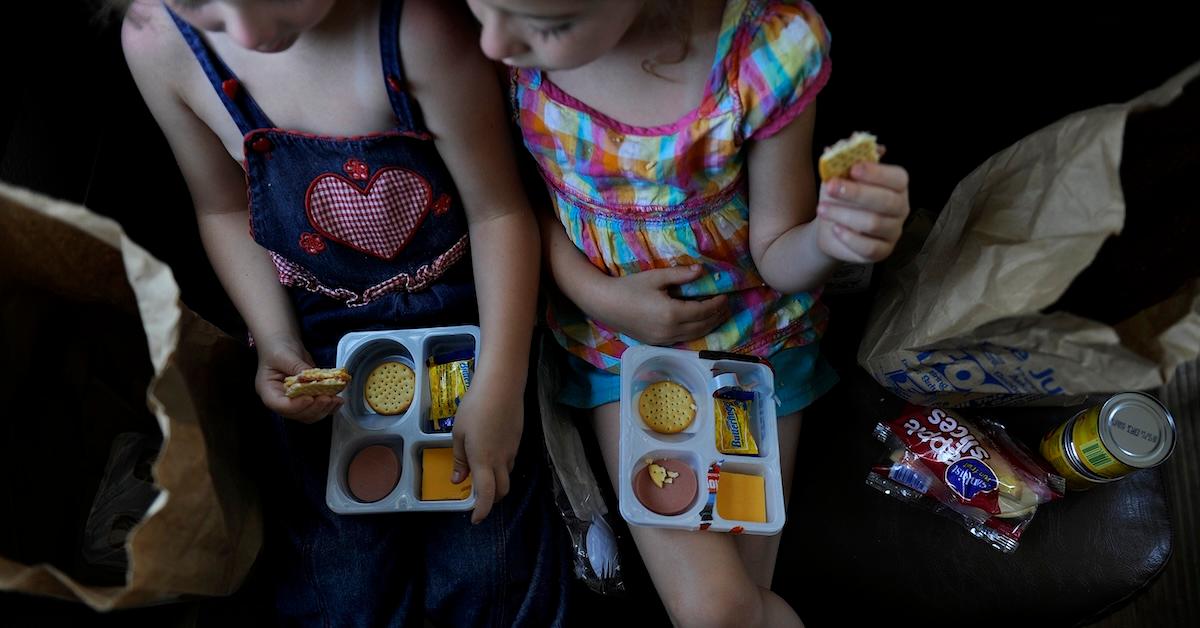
(203, 531)
(971, 319)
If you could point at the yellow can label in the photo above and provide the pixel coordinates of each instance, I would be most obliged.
(1052, 450)
(1091, 450)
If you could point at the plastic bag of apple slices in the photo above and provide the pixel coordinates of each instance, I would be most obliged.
(970, 471)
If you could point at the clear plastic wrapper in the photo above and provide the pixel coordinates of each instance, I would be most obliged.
(125, 492)
(970, 471)
(576, 492)
(595, 560)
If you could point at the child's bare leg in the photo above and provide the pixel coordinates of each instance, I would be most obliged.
(699, 576)
(759, 552)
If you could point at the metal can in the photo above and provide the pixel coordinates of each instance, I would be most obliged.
(1127, 432)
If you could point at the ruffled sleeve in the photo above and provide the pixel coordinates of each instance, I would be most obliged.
(782, 61)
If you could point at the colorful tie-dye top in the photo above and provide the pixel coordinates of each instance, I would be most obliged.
(637, 198)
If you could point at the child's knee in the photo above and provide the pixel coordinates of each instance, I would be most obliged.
(719, 604)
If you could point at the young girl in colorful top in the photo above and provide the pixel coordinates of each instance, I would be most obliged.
(675, 138)
(340, 156)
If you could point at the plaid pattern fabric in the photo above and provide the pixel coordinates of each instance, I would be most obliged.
(362, 218)
(636, 198)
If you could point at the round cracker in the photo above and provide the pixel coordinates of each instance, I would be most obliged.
(667, 407)
(390, 387)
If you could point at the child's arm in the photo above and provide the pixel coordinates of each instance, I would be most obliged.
(639, 305)
(218, 191)
(856, 221)
(464, 110)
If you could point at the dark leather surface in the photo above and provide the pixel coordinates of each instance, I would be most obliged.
(1078, 556)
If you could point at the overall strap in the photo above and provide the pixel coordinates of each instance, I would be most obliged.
(407, 114)
(242, 108)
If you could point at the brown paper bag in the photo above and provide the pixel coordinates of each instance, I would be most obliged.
(973, 318)
(104, 346)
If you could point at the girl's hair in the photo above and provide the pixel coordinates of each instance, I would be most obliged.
(673, 17)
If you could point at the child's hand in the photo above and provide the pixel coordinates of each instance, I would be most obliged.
(860, 220)
(278, 359)
(487, 431)
(640, 305)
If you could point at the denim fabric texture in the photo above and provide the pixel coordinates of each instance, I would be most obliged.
(368, 233)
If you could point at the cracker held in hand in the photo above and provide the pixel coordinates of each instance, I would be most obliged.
(667, 407)
(390, 387)
(315, 382)
(837, 160)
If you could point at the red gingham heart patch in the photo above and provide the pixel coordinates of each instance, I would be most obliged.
(379, 219)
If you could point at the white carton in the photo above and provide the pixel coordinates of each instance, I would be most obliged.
(697, 446)
(356, 425)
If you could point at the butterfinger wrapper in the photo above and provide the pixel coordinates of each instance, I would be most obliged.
(726, 381)
(449, 379)
(732, 409)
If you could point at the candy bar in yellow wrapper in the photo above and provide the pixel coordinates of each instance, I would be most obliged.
(732, 410)
(449, 379)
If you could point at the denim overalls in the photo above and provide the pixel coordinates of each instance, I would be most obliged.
(368, 233)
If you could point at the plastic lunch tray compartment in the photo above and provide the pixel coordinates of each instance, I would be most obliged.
(696, 446)
(356, 426)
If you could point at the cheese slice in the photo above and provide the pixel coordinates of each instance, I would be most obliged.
(742, 497)
(437, 463)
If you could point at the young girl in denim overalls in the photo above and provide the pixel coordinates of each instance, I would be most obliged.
(330, 202)
(675, 137)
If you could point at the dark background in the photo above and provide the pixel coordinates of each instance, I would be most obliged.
(944, 86)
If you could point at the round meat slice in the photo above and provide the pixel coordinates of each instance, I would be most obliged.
(373, 473)
(678, 490)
